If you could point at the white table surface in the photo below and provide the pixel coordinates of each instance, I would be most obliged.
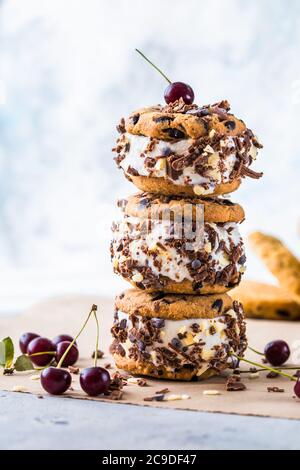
(27, 422)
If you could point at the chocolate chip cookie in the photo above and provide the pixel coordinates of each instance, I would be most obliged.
(175, 336)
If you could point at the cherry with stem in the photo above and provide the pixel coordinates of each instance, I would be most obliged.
(56, 380)
(95, 380)
(175, 90)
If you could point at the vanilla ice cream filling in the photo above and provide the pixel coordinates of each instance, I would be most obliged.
(172, 264)
(210, 333)
(217, 169)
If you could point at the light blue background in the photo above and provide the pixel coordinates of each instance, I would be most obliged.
(69, 72)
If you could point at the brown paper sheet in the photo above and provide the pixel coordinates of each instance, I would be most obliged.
(66, 315)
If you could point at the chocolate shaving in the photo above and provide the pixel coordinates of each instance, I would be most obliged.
(246, 171)
(100, 354)
(155, 398)
(275, 390)
(234, 384)
(272, 375)
(163, 391)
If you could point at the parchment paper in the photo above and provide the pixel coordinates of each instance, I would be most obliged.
(65, 315)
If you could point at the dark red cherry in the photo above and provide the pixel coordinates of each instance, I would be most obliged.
(70, 358)
(60, 338)
(94, 380)
(297, 388)
(277, 352)
(39, 345)
(55, 381)
(178, 90)
(25, 340)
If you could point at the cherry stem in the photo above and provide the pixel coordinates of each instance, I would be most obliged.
(262, 370)
(93, 309)
(255, 351)
(97, 339)
(265, 367)
(51, 353)
(153, 65)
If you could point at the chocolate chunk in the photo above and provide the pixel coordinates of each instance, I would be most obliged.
(120, 350)
(123, 324)
(163, 118)
(158, 296)
(230, 125)
(141, 345)
(242, 259)
(218, 304)
(197, 286)
(283, 313)
(272, 375)
(196, 264)
(200, 112)
(212, 330)
(234, 384)
(195, 327)
(135, 119)
(132, 171)
(176, 343)
(158, 322)
(174, 133)
(100, 354)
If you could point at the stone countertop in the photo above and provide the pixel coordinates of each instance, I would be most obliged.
(27, 422)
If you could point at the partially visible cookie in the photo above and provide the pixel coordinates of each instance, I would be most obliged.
(181, 121)
(175, 336)
(279, 260)
(171, 306)
(266, 301)
(149, 205)
(165, 186)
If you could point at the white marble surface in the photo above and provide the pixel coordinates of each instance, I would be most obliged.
(27, 422)
(66, 77)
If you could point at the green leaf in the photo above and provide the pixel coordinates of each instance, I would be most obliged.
(6, 353)
(22, 363)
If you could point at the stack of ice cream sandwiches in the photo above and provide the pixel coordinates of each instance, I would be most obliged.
(178, 243)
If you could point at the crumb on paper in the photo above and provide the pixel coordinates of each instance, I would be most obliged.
(211, 392)
(73, 370)
(35, 377)
(254, 375)
(133, 380)
(100, 354)
(19, 388)
(171, 397)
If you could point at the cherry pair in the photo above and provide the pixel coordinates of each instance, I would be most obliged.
(93, 380)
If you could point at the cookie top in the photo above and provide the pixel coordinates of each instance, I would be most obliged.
(146, 205)
(174, 307)
(181, 121)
